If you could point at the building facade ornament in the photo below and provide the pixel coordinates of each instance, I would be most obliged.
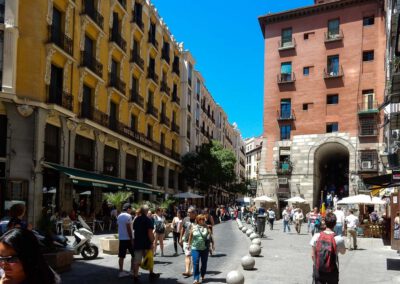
(49, 16)
(98, 45)
(47, 76)
(122, 65)
(84, 23)
(96, 94)
(83, 73)
(68, 16)
(113, 2)
(99, 6)
(67, 71)
(110, 52)
(71, 125)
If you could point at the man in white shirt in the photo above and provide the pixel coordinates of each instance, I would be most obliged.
(351, 223)
(298, 219)
(339, 221)
(125, 237)
(286, 219)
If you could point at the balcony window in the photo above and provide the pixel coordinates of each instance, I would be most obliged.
(190, 71)
(286, 38)
(369, 160)
(137, 15)
(84, 153)
(286, 108)
(147, 171)
(165, 52)
(333, 29)
(111, 158)
(90, 10)
(56, 94)
(52, 144)
(368, 102)
(285, 132)
(332, 99)
(134, 122)
(368, 21)
(333, 65)
(368, 55)
(332, 127)
(149, 132)
(286, 71)
(368, 126)
(131, 167)
(113, 118)
(86, 106)
(175, 65)
(160, 175)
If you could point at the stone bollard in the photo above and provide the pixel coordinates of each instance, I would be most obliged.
(254, 236)
(256, 241)
(240, 227)
(248, 262)
(255, 250)
(249, 232)
(244, 229)
(235, 277)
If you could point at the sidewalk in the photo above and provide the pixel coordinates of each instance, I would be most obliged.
(286, 258)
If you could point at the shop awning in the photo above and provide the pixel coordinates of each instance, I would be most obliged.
(89, 179)
(379, 182)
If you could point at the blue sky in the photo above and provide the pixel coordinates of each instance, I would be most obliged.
(226, 40)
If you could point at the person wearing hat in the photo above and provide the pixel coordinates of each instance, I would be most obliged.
(125, 237)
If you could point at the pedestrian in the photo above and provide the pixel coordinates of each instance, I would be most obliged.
(271, 218)
(286, 219)
(298, 219)
(374, 217)
(329, 200)
(17, 213)
(339, 221)
(315, 219)
(351, 224)
(22, 261)
(187, 224)
(335, 201)
(210, 225)
(159, 230)
(325, 249)
(176, 230)
(198, 239)
(125, 238)
(144, 238)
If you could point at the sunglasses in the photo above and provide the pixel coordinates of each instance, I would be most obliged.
(9, 259)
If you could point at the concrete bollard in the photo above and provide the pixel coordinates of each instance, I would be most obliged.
(248, 262)
(256, 241)
(254, 236)
(244, 229)
(255, 250)
(235, 277)
(249, 232)
(240, 227)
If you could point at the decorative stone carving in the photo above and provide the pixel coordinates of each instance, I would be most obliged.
(99, 6)
(67, 71)
(124, 147)
(248, 262)
(255, 250)
(123, 23)
(96, 95)
(102, 137)
(110, 52)
(25, 110)
(113, 2)
(235, 277)
(71, 125)
(81, 78)
(98, 43)
(68, 24)
(47, 76)
(122, 64)
(84, 23)
(49, 16)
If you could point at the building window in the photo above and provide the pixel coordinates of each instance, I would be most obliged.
(306, 71)
(149, 132)
(285, 132)
(285, 108)
(333, 65)
(332, 127)
(332, 99)
(286, 37)
(368, 55)
(368, 21)
(368, 102)
(134, 122)
(305, 106)
(333, 28)
(286, 71)
(190, 69)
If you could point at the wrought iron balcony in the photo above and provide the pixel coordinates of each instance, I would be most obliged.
(118, 40)
(100, 117)
(331, 36)
(175, 127)
(165, 55)
(61, 98)
(175, 98)
(138, 20)
(60, 39)
(87, 60)
(93, 14)
(331, 73)
(285, 115)
(368, 107)
(368, 127)
(152, 110)
(152, 40)
(137, 99)
(151, 74)
(285, 45)
(286, 78)
(165, 120)
(164, 88)
(116, 82)
(283, 168)
(135, 58)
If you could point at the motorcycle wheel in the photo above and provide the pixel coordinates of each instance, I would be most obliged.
(90, 252)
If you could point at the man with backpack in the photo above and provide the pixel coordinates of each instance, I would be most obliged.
(325, 249)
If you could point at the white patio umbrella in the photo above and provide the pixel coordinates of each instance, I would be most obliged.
(85, 193)
(264, 198)
(377, 201)
(296, 199)
(356, 199)
(188, 195)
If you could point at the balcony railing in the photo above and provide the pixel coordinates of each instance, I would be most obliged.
(137, 99)
(152, 110)
(333, 72)
(368, 161)
(151, 74)
(333, 36)
(60, 39)
(368, 107)
(283, 168)
(90, 62)
(153, 41)
(94, 15)
(135, 58)
(368, 128)
(116, 82)
(165, 120)
(286, 78)
(175, 127)
(175, 98)
(284, 45)
(61, 98)
(137, 20)
(117, 38)
(164, 88)
(285, 115)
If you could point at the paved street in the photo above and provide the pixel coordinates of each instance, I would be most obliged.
(285, 259)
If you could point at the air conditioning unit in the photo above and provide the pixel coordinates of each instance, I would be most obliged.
(366, 165)
(282, 180)
(396, 134)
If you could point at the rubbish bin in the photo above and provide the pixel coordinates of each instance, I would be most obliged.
(261, 220)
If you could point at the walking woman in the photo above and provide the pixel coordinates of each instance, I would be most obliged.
(176, 225)
(22, 261)
(159, 230)
(198, 241)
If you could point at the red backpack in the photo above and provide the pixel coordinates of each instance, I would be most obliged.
(325, 253)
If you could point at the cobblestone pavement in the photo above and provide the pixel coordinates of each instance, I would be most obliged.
(285, 258)
(231, 245)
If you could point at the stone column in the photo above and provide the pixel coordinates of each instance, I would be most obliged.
(139, 166)
(99, 152)
(176, 180)
(122, 161)
(154, 172)
(72, 137)
(166, 177)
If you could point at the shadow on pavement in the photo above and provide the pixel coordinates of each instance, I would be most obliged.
(213, 280)
(162, 262)
(393, 264)
(213, 272)
(218, 255)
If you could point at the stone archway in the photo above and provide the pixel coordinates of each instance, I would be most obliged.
(331, 171)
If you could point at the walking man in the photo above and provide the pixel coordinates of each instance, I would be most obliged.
(339, 221)
(351, 223)
(298, 219)
(286, 219)
(125, 237)
(144, 238)
(325, 249)
(271, 218)
(184, 239)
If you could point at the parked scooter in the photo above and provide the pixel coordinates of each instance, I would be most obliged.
(83, 236)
